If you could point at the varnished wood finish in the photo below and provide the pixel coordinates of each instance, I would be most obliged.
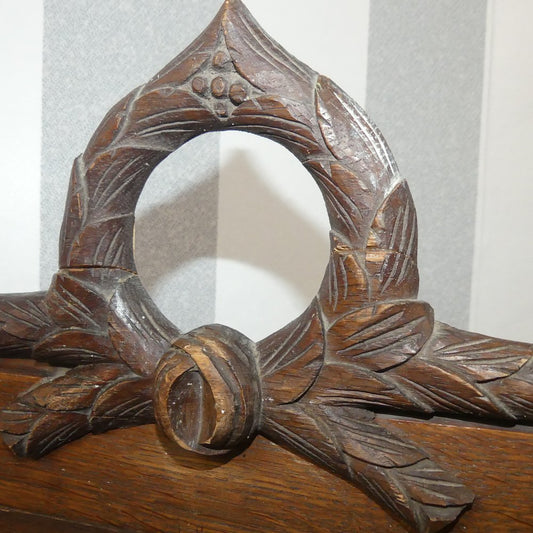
(208, 397)
(325, 385)
(15, 521)
(132, 480)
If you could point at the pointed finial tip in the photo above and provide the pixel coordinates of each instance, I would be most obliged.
(233, 3)
(234, 6)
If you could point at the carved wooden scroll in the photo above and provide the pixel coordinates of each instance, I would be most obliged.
(364, 345)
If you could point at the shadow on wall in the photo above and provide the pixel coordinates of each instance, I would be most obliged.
(170, 235)
(260, 229)
(175, 246)
(264, 229)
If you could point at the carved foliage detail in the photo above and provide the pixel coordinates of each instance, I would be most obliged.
(381, 336)
(364, 344)
(353, 443)
(102, 322)
(24, 319)
(291, 358)
(72, 405)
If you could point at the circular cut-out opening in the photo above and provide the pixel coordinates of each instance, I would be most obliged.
(232, 229)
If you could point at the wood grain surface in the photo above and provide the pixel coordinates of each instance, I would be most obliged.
(134, 480)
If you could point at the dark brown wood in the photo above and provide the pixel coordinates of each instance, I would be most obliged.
(15, 521)
(208, 397)
(326, 385)
(133, 480)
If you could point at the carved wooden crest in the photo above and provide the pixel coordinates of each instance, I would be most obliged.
(364, 346)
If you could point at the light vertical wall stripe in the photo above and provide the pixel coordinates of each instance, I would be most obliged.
(20, 140)
(273, 243)
(502, 287)
(424, 90)
(95, 52)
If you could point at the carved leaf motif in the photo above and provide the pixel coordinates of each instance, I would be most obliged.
(515, 393)
(75, 347)
(101, 281)
(262, 61)
(367, 441)
(76, 210)
(443, 390)
(394, 226)
(392, 247)
(381, 336)
(293, 425)
(165, 118)
(114, 180)
(430, 383)
(345, 285)
(17, 419)
(351, 385)
(392, 276)
(483, 358)
(351, 203)
(65, 408)
(23, 319)
(138, 133)
(110, 128)
(387, 486)
(291, 358)
(74, 391)
(96, 226)
(113, 177)
(105, 244)
(73, 304)
(139, 332)
(45, 417)
(24, 315)
(274, 118)
(429, 484)
(124, 404)
(50, 431)
(392, 470)
(352, 137)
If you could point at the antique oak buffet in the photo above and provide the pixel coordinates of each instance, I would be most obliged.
(363, 414)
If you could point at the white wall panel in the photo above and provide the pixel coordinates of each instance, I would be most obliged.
(21, 24)
(502, 288)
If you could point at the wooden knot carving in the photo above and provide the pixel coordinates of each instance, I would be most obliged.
(208, 397)
(365, 345)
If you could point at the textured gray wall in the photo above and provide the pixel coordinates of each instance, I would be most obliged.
(95, 52)
(425, 83)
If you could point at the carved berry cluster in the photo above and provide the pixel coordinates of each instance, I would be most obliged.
(221, 83)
